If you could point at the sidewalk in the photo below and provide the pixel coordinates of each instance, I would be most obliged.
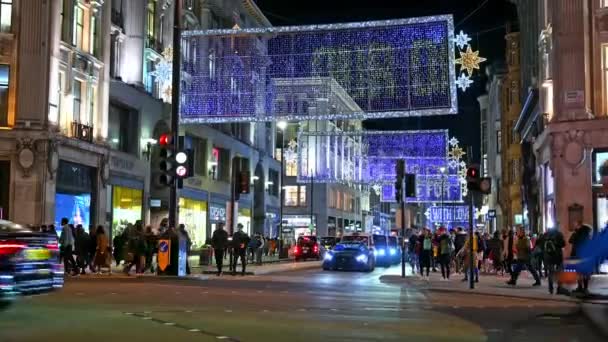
(493, 285)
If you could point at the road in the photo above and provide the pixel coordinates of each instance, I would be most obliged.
(307, 305)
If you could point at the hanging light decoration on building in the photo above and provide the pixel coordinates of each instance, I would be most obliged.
(468, 60)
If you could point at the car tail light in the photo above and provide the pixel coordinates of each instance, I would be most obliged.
(316, 248)
(297, 250)
(11, 247)
(52, 245)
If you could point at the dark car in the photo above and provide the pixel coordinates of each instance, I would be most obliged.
(383, 256)
(29, 262)
(353, 255)
(307, 248)
(394, 250)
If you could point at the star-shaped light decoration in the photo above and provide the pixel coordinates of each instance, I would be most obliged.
(456, 153)
(428, 213)
(469, 60)
(464, 81)
(453, 142)
(377, 188)
(462, 40)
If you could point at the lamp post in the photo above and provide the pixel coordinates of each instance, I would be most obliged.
(282, 125)
(442, 170)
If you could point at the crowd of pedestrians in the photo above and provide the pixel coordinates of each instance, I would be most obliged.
(505, 253)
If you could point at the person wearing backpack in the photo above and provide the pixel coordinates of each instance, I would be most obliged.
(551, 244)
(445, 252)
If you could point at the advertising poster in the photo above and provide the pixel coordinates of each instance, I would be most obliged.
(75, 207)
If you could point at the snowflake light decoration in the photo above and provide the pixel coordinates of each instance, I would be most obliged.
(453, 141)
(163, 73)
(469, 60)
(377, 188)
(462, 40)
(464, 81)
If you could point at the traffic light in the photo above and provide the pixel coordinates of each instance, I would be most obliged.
(183, 164)
(476, 183)
(410, 185)
(243, 185)
(167, 159)
(400, 171)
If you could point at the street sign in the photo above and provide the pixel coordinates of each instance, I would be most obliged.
(492, 213)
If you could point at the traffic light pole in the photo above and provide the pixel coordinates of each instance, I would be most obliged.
(471, 238)
(403, 235)
(175, 84)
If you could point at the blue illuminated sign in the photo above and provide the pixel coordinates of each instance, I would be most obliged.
(391, 68)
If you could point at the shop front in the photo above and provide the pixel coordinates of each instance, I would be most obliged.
(127, 205)
(217, 214)
(193, 214)
(297, 225)
(600, 195)
(244, 218)
(74, 194)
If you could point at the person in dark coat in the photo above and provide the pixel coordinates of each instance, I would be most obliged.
(582, 234)
(240, 241)
(219, 242)
(551, 244)
(82, 245)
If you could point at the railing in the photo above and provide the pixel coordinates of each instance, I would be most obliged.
(82, 132)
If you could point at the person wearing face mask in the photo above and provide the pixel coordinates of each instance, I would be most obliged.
(240, 241)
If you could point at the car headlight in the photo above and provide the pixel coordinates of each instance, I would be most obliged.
(393, 251)
(361, 258)
(328, 256)
(381, 252)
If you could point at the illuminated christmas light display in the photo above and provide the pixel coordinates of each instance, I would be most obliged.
(469, 60)
(391, 68)
(163, 74)
(449, 216)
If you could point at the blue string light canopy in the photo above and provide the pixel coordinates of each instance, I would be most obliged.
(390, 68)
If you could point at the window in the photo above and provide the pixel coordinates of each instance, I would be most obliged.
(6, 12)
(115, 50)
(77, 95)
(605, 69)
(150, 21)
(200, 156)
(514, 135)
(4, 90)
(515, 171)
(604, 3)
(78, 27)
(92, 105)
(295, 196)
(93, 32)
(291, 168)
(273, 185)
(123, 129)
(498, 141)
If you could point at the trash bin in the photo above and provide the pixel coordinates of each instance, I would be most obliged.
(204, 257)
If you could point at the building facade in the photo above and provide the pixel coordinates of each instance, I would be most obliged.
(491, 145)
(511, 200)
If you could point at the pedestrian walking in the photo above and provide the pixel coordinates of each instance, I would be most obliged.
(495, 246)
(582, 234)
(102, 251)
(445, 253)
(523, 258)
(66, 241)
(240, 241)
(81, 248)
(426, 253)
(551, 244)
(219, 242)
(413, 251)
(466, 256)
(151, 244)
(92, 248)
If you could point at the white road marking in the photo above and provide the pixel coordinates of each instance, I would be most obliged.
(222, 337)
(147, 318)
(169, 323)
(265, 311)
(128, 313)
(228, 311)
(455, 307)
(494, 330)
(194, 330)
(382, 309)
(188, 311)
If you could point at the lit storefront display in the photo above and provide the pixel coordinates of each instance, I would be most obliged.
(600, 197)
(297, 225)
(126, 207)
(244, 218)
(73, 194)
(217, 214)
(193, 214)
(549, 197)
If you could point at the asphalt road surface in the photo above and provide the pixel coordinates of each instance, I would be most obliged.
(308, 305)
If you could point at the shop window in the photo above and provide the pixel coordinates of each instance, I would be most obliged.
(77, 38)
(93, 49)
(6, 12)
(150, 25)
(200, 156)
(499, 141)
(92, 105)
(604, 3)
(549, 181)
(4, 90)
(193, 214)
(115, 51)
(126, 207)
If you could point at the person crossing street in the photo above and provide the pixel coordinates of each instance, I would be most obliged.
(219, 242)
(240, 241)
(523, 258)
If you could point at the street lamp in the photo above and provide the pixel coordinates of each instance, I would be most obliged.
(442, 169)
(282, 125)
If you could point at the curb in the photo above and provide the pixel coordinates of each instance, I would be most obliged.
(493, 294)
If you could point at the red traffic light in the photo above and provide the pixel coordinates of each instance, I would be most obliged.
(472, 172)
(165, 139)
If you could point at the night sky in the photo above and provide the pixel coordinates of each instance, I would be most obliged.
(484, 20)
